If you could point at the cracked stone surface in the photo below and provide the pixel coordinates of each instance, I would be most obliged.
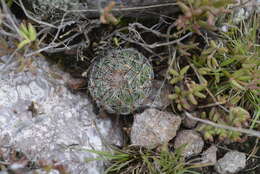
(193, 141)
(189, 123)
(40, 117)
(231, 163)
(209, 156)
(153, 127)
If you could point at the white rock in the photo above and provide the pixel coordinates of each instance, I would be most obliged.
(231, 163)
(192, 141)
(40, 117)
(153, 127)
(210, 155)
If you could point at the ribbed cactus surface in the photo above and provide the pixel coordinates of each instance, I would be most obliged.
(54, 10)
(121, 80)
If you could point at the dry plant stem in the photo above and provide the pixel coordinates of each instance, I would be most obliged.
(254, 150)
(51, 47)
(208, 91)
(211, 105)
(128, 9)
(241, 130)
(136, 42)
(170, 49)
(8, 34)
(165, 78)
(151, 30)
(9, 17)
(32, 18)
(155, 45)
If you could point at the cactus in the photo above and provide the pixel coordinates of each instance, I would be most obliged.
(120, 81)
(52, 10)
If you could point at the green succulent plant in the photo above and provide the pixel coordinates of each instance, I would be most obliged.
(121, 80)
(198, 14)
(237, 117)
(186, 92)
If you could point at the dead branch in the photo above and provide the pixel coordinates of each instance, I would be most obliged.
(242, 130)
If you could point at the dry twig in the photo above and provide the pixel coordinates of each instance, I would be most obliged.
(242, 130)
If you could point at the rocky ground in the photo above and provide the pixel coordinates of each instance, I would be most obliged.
(129, 87)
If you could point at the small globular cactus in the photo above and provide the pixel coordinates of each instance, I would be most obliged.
(52, 10)
(121, 81)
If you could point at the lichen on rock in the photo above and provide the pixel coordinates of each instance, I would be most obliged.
(153, 127)
(41, 118)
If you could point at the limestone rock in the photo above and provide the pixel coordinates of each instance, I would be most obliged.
(153, 127)
(193, 141)
(231, 163)
(42, 119)
(210, 155)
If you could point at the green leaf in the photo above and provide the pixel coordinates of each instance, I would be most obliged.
(228, 61)
(23, 43)
(184, 70)
(199, 94)
(174, 80)
(204, 71)
(173, 72)
(236, 85)
(244, 78)
(173, 96)
(32, 32)
(23, 32)
(192, 99)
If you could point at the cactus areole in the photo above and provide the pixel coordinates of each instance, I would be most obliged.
(120, 81)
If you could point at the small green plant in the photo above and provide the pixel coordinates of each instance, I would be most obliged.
(225, 73)
(232, 67)
(178, 76)
(186, 93)
(199, 14)
(28, 34)
(237, 117)
(137, 160)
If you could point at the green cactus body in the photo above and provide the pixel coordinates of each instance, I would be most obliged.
(121, 80)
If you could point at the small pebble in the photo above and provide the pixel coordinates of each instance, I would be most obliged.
(153, 127)
(231, 163)
(193, 141)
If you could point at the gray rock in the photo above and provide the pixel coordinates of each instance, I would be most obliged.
(40, 171)
(244, 9)
(231, 163)
(193, 141)
(153, 127)
(40, 117)
(210, 155)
